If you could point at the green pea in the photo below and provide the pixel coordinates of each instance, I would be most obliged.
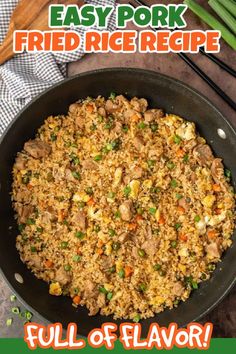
(30, 222)
(136, 318)
(93, 127)
(89, 191)
(142, 287)
(152, 211)
(174, 183)
(142, 125)
(67, 267)
(80, 235)
(111, 195)
(125, 128)
(173, 244)
(33, 249)
(116, 246)
(76, 175)
(127, 191)
(178, 196)
(98, 158)
(64, 244)
(162, 273)
(112, 269)
(53, 137)
(97, 228)
(157, 267)
(178, 226)
(153, 127)
(76, 258)
(170, 165)
(197, 218)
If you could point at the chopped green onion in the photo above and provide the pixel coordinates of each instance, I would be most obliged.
(173, 244)
(178, 226)
(53, 137)
(93, 127)
(194, 285)
(89, 191)
(211, 267)
(157, 267)
(174, 183)
(15, 310)
(170, 165)
(178, 196)
(152, 211)
(125, 128)
(151, 163)
(9, 322)
(212, 22)
(115, 144)
(30, 222)
(141, 253)
(39, 229)
(117, 214)
(136, 318)
(109, 296)
(98, 158)
(140, 211)
(111, 195)
(97, 228)
(142, 125)
(102, 290)
(121, 273)
(162, 273)
(153, 127)
(21, 227)
(143, 287)
(13, 298)
(28, 315)
(177, 139)
(76, 175)
(223, 14)
(185, 158)
(127, 191)
(227, 173)
(33, 249)
(112, 96)
(112, 269)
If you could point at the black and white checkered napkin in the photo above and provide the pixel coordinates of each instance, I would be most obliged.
(26, 75)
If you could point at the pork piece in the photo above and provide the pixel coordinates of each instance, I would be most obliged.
(68, 175)
(126, 210)
(24, 212)
(89, 165)
(138, 143)
(80, 121)
(74, 108)
(101, 300)
(140, 105)
(150, 246)
(153, 115)
(80, 220)
(35, 260)
(23, 195)
(124, 237)
(217, 170)
(136, 172)
(213, 250)
(91, 290)
(106, 262)
(93, 308)
(111, 106)
(37, 148)
(102, 111)
(178, 289)
(63, 277)
(184, 203)
(20, 163)
(203, 154)
(118, 127)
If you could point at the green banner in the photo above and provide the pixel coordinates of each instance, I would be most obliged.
(223, 346)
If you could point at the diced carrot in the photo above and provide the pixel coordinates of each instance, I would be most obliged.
(218, 211)
(181, 209)
(91, 202)
(48, 264)
(135, 118)
(132, 226)
(216, 187)
(139, 218)
(128, 271)
(100, 243)
(78, 251)
(29, 186)
(211, 234)
(89, 108)
(161, 220)
(180, 153)
(183, 237)
(100, 251)
(76, 299)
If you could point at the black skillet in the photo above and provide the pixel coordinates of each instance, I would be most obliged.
(160, 91)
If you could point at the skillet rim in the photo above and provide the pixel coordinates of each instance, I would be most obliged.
(173, 81)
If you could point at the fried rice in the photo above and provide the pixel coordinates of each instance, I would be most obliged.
(121, 207)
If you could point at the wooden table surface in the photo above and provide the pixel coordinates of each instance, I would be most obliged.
(224, 315)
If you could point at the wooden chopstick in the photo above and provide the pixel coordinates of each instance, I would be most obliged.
(201, 73)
